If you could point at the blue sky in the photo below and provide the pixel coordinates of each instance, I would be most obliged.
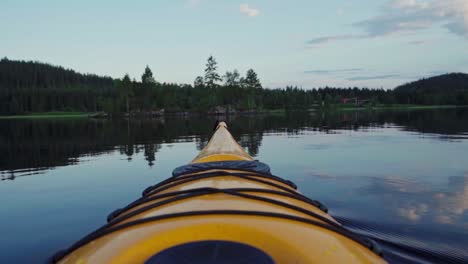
(373, 43)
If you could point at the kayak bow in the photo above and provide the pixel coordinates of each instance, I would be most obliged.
(223, 207)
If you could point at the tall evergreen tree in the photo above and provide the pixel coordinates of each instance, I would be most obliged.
(251, 80)
(126, 91)
(211, 76)
(147, 76)
(199, 82)
(232, 79)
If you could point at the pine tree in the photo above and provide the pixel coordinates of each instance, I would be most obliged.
(147, 76)
(199, 82)
(232, 79)
(251, 80)
(211, 76)
(126, 90)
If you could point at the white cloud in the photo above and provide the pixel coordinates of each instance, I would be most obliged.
(249, 11)
(408, 4)
(403, 16)
(319, 42)
(408, 17)
(334, 71)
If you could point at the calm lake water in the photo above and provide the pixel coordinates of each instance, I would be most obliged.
(398, 177)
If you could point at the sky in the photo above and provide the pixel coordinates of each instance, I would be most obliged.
(305, 43)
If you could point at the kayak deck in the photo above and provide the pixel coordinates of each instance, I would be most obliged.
(222, 146)
(223, 199)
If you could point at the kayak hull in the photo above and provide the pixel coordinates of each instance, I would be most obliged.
(251, 208)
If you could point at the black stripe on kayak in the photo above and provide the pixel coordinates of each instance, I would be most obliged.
(217, 170)
(205, 191)
(366, 242)
(147, 199)
(174, 181)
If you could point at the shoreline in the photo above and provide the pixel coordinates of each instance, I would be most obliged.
(398, 107)
(50, 115)
(44, 115)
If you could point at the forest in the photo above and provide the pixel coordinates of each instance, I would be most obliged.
(30, 87)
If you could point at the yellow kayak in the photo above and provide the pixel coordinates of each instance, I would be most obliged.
(223, 207)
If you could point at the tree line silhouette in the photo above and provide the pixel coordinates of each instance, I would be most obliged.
(29, 86)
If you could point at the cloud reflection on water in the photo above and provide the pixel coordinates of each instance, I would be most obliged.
(418, 202)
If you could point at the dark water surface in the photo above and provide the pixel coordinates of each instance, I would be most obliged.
(398, 177)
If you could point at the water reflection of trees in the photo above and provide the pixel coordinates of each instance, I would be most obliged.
(29, 144)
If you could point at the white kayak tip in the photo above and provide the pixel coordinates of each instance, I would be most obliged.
(221, 124)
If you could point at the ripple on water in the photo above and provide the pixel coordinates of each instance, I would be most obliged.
(418, 246)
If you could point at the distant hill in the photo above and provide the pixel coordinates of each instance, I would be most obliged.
(449, 88)
(30, 86)
(16, 74)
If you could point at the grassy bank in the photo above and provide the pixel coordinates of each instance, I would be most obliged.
(47, 115)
